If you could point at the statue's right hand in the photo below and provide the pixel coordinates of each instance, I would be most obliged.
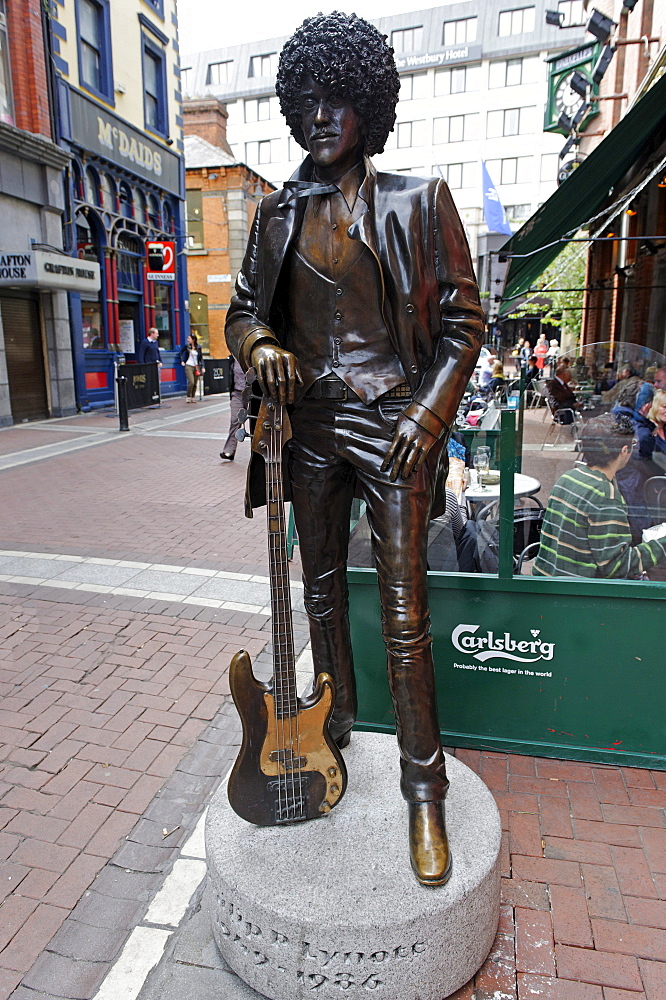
(277, 372)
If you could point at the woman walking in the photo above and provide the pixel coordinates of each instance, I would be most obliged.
(191, 358)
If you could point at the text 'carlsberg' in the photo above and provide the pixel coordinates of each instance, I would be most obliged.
(489, 646)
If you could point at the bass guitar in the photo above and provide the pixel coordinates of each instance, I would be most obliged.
(288, 768)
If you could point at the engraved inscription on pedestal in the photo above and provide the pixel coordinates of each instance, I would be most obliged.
(331, 908)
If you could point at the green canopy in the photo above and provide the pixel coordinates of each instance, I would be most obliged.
(582, 195)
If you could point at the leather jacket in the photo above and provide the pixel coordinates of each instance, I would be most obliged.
(430, 299)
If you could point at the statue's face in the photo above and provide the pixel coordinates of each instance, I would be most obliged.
(331, 127)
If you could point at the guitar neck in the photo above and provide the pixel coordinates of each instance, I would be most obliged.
(284, 665)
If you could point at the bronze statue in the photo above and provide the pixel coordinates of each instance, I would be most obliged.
(358, 307)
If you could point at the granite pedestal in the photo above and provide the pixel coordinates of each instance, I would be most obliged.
(330, 908)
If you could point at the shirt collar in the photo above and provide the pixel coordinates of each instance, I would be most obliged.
(350, 185)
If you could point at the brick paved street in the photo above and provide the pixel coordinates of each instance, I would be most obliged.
(116, 727)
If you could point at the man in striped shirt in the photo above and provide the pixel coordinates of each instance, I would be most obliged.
(586, 528)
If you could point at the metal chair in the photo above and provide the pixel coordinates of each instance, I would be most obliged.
(562, 420)
(539, 395)
(527, 525)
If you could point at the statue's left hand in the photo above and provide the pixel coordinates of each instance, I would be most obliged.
(409, 447)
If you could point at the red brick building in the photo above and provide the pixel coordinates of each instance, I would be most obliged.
(222, 197)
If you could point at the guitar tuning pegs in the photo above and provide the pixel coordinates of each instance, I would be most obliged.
(242, 416)
(241, 434)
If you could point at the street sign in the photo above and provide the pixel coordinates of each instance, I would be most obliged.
(161, 264)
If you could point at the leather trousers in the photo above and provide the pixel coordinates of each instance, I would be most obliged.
(336, 447)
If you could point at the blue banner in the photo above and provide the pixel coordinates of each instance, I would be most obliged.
(493, 211)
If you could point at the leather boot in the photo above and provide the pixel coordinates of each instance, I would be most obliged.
(428, 843)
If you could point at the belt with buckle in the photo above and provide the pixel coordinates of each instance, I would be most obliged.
(330, 388)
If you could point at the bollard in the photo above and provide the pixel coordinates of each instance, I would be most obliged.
(122, 402)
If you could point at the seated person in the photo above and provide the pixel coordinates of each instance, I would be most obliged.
(562, 395)
(532, 371)
(657, 414)
(586, 528)
(486, 370)
(497, 380)
(625, 390)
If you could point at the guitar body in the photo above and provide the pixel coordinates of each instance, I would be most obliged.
(288, 769)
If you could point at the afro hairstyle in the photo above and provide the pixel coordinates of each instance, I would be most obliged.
(351, 57)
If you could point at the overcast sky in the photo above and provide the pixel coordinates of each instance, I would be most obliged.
(212, 24)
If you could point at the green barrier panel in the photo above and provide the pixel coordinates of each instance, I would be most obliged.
(554, 668)
(550, 667)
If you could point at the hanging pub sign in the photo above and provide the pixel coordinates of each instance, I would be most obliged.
(161, 264)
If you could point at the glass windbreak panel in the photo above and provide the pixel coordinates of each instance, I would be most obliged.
(163, 316)
(594, 436)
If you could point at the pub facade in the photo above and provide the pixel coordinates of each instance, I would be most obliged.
(119, 117)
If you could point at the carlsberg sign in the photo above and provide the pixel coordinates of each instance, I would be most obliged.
(488, 645)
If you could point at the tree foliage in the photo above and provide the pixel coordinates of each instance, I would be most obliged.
(561, 302)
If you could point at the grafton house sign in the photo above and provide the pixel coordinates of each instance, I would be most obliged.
(48, 271)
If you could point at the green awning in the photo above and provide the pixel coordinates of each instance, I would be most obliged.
(583, 194)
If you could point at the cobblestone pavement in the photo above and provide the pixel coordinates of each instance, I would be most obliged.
(128, 578)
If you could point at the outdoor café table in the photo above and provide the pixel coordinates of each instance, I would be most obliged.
(523, 486)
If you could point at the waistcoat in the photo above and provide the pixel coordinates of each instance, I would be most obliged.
(336, 325)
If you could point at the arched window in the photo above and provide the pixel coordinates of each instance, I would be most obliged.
(108, 187)
(139, 206)
(91, 186)
(126, 200)
(199, 318)
(167, 218)
(153, 212)
(77, 180)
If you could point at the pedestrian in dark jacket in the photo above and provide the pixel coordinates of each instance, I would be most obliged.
(149, 349)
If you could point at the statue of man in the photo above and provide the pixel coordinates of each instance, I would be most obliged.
(358, 307)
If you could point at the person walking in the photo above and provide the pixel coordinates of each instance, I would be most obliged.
(236, 395)
(191, 358)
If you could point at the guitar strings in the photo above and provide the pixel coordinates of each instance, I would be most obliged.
(281, 783)
(286, 683)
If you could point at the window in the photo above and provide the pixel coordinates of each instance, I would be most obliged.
(574, 12)
(512, 72)
(94, 46)
(407, 40)
(154, 217)
(516, 22)
(127, 262)
(158, 7)
(517, 213)
(511, 121)
(186, 80)
(456, 175)
(414, 86)
(549, 167)
(195, 230)
(154, 85)
(459, 32)
(6, 99)
(296, 152)
(265, 65)
(91, 186)
(257, 109)
(139, 207)
(411, 134)
(457, 80)
(259, 152)
(457, 128)
(219, 72)
(199, 319)
(512, 170)
(168, 217)
(163, 315)
(108, 190)
(126, 199)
